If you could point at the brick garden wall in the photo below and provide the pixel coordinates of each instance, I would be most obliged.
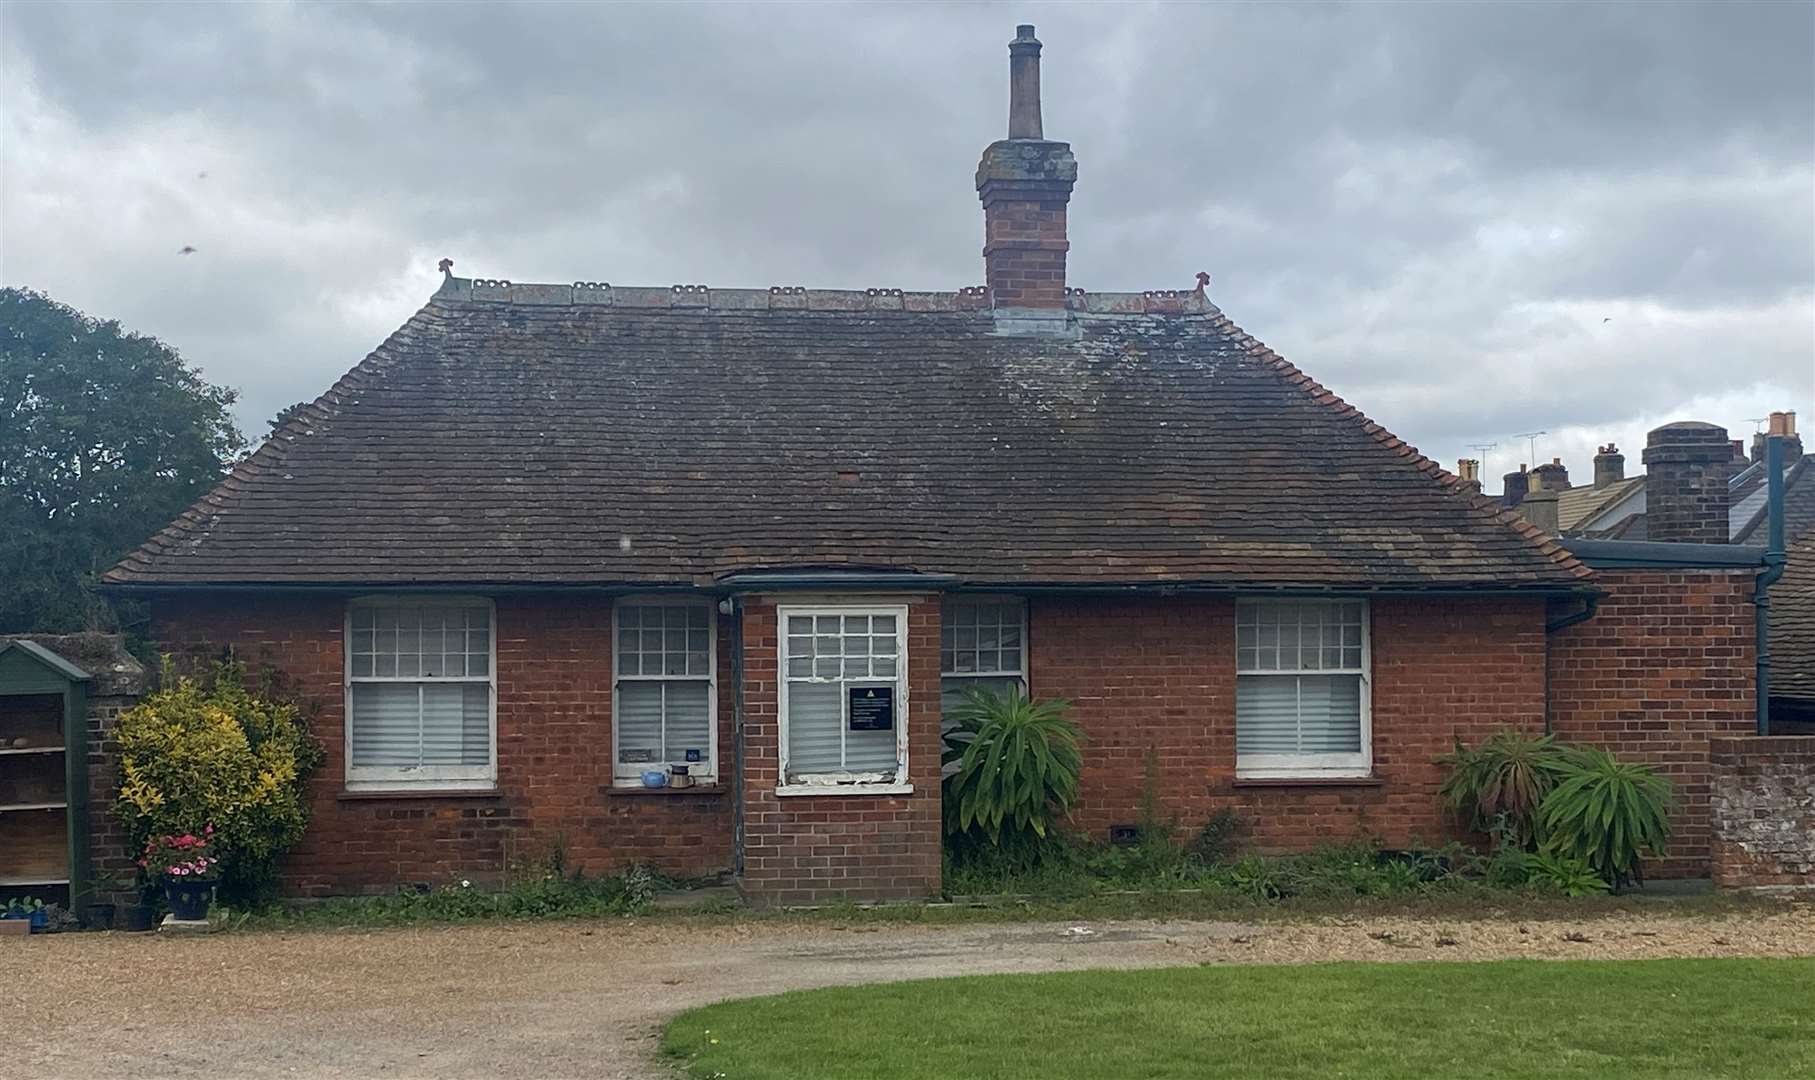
(554, 685)
(109, 856)
(1763, 812)
(1665, 665)
(810, 849)
(1159, 675)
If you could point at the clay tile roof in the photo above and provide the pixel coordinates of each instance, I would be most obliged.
(1793, 623)
(586, 434)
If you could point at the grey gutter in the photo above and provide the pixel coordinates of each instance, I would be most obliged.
(329, 588)
(1659, 554)
(757, 582)
(1171, 588)
(833, 579)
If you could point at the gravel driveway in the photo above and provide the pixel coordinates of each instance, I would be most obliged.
(587, 999)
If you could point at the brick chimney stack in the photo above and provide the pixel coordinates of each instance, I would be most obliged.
(1025, 182)
(1468, 470)
(1784, 424)
(1609, 466)
(1686, 465)
(1551, 477)
(1539, 508)
(1513, 487)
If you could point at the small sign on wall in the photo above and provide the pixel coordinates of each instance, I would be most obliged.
(872, 708)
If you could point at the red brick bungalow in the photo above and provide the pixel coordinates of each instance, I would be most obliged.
(546, 538)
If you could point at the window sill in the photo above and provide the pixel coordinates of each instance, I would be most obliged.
(361, 795)
(1307, 781)
(639, 790)
(844, 789)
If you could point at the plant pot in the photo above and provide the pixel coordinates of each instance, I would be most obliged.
(40, 920)
(98, 916)
(15, 927)
(138, 918)
(188, 897)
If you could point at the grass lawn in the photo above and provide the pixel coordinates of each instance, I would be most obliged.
(1512, 1019)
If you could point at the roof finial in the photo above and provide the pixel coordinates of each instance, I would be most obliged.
(1024, 84)
(1203, 281)
(446, 266)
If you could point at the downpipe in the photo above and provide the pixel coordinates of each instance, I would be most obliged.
(1774, 560)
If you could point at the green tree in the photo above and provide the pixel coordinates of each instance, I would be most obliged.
(285, 415)
(105, 436)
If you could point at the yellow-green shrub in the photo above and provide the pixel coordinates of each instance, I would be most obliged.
(209, 751)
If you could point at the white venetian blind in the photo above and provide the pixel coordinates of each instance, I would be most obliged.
(1300, 687)
(823, 656)
(815, 718)
(420, 691)
(665, 709)
(1306, 714)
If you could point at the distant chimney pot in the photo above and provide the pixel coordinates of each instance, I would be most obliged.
(1513, 487)
(1468, 470)
(1024, 84)
(1783, 425)
(1609, 466)
(1553, 476)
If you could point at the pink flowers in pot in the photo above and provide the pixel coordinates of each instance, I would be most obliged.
(185, 856)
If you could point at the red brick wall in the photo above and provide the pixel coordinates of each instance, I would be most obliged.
(1024, 251)
(1666, 664)
(1159, 674)
(801, 849)
(554, 685)
(1763, 821)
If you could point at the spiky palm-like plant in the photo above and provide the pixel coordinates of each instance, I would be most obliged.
(1499, 784)
(1018, 765)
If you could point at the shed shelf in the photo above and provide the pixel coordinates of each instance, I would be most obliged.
(43, 784)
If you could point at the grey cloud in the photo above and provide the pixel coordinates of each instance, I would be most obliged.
(1430, 207)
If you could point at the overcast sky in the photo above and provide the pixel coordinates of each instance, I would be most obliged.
(1471, 220)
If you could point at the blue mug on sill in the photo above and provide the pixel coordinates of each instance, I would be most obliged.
(655, 778)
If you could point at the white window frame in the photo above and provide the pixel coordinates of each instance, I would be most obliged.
(429, 777)
(1018, 674)
(1313, 766)
(634, 776)
(842, 783)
